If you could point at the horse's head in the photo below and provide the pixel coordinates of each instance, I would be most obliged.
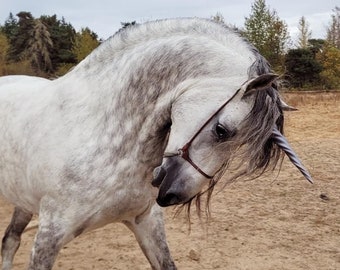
(205, 137)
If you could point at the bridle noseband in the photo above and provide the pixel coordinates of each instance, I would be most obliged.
(184, 151)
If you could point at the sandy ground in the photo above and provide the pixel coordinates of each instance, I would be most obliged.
(274, 222)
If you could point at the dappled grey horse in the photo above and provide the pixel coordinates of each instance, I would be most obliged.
(151, 118)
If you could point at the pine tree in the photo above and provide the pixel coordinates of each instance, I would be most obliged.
(62, 36)
(39, 47)
(267, 32)
(20, 36)
(304, 33)
(302, 67)
(333, 31)
(10, 27)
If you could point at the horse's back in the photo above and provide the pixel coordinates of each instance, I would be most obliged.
(18, 93)
(6, 81)
(14, 88)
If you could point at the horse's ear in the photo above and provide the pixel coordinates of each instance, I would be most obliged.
(261, 82)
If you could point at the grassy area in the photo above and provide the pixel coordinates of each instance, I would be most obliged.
(311, 97)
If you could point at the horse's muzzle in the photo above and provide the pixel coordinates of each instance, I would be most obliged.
(167, 179)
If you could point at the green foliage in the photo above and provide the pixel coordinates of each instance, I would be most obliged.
(316, 45)
(49, 47)
(10, 27)
(42, 46)
(85, 42)
(19, 41)
(4, 46)
(62, 35)
(330, 60)
(302, 68)
(267, 32)
(21, 67)
(63, 69)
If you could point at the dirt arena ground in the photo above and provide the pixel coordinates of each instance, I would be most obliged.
(274, 222)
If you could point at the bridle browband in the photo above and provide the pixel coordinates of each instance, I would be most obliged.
(184, 151)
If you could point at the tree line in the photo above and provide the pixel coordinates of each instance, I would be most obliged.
(49, 47)
(309, 64)
(45, 46)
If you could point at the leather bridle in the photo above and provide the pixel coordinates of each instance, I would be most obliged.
(184, 151)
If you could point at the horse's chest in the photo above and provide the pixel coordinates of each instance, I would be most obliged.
(130, 202)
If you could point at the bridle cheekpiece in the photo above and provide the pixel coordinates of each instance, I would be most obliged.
(184, 151)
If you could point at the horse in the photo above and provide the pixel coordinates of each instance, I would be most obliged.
(151, 118)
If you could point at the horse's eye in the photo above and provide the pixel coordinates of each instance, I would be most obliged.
(221, 132)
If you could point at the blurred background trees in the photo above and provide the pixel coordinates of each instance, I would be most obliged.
(48, 46)
(268, 33)
(311, 63)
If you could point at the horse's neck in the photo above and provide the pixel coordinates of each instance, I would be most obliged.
(132, 101)
(150, 34)
(133, 86)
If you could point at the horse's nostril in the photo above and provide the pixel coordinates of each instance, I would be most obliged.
(169, 199)
(172, 198)
(159, 173)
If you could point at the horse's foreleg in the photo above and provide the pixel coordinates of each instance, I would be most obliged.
(12, 237)
(53, 233)
(150, 234)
